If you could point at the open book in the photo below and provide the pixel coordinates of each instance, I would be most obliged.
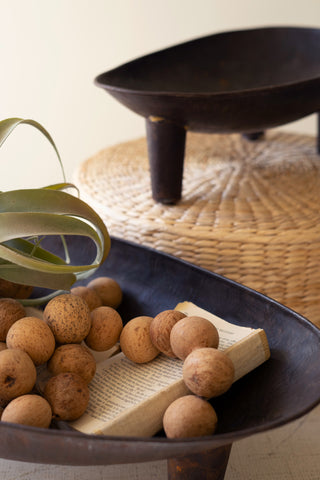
(130, 399)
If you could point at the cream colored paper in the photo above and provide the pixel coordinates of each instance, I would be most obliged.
(124, 394)
(130, 399)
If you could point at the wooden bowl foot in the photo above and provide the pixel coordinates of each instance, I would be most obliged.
(166, 146)
(318, 134)
(209, 465)
(253, 136)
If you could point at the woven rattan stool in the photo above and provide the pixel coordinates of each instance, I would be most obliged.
(250, 210)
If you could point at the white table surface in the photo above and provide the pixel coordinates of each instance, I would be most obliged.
(291, 452)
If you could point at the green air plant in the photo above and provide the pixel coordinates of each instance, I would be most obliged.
(27, 216)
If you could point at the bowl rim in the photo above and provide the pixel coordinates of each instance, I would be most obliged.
(98, 80)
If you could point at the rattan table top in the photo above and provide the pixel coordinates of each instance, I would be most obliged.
(250, 210)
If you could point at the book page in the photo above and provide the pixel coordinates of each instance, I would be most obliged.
(130, 399)
(119, 385)
(141, 380)
(246, 359)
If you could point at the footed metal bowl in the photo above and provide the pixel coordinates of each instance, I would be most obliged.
(244, 81)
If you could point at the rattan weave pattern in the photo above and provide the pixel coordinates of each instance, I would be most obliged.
(250, 210)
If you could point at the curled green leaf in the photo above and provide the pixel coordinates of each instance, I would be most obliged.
(27, 216)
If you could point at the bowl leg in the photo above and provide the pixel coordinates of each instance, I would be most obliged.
(253, 136)
(209, 465)
(166, 146)
(318, 135)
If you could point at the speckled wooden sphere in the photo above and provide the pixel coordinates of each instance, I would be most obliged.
(68, 316)
(34, 336)
(10, 311)
(68, 396)
(192, 332)
(74, 358)
(89, 295)
(189, 416)
(161, 327)
(135, 341)
(17, 374)
(29, 409)
(106, 327)
(208, 372)
(108, 290)
(14, 290)
(7, 289)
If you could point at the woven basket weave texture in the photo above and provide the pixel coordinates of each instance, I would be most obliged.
(250, 210)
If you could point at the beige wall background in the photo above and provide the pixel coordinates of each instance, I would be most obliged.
(52, 50)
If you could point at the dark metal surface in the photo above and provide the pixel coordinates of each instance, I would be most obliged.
(210, 464)
(166, 141)
(229, 82)
(284, 388)
(242, 81)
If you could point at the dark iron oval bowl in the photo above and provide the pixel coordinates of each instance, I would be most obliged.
(281, 390)
(241, 81)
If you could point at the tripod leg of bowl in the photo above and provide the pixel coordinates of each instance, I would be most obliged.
(211, 464)
(253, 136)
(318, 136)
(166, 146)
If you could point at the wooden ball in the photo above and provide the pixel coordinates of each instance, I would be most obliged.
(191, 333)
(8, 289)
(23, 291)
(31, 410)
(160, 330)
(208, 372)
(14, 290)
(68, 395)
(74, 358)
(68, 316)
(10, 311)
(108, 290)
(17, 374)
(89, 295)
(106, 327)
(34, 336)
(135, 341)
(189, 416)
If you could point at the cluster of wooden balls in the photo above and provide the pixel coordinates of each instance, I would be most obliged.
(87, 317)
(207, 371)
(72, 322)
